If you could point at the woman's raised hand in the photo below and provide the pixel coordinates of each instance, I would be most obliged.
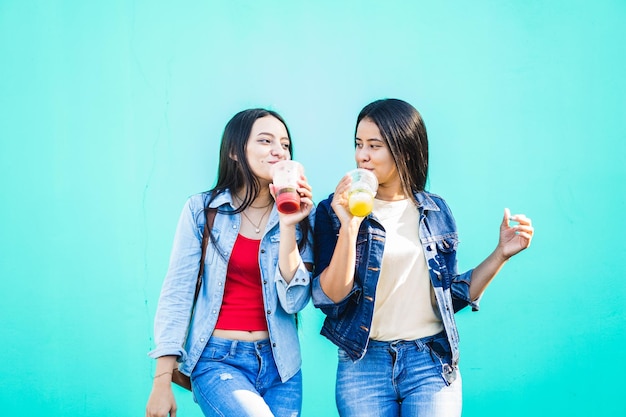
(516, 237)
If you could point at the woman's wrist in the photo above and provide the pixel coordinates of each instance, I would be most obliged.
(351, 228)
(287, 230)
(162, 374)
(500, 255)
(162, 379)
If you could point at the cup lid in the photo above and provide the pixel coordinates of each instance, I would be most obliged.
(364, 177)
(287, 164)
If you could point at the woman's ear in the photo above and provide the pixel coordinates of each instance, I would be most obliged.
(233, 157)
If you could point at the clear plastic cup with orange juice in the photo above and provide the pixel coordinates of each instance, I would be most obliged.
(362, 192)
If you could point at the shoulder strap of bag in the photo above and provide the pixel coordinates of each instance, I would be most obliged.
(208, 225)
(178, 377)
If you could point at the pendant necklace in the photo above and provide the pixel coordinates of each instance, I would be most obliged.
(257, 227)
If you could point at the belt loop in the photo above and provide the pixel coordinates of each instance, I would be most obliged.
(233, 347)
(420, 344)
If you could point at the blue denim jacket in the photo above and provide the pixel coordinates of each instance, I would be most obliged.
(348, 322)
(281, 300)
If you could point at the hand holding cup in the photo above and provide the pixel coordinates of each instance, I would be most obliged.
(362, 191)
(285, 176)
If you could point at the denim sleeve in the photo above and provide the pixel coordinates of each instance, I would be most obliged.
(460, 282)
(325, 304)
(294, 296)
(174, 306)
(460, 292)
(325, 240)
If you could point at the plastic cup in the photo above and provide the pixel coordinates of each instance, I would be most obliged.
(362, 192)
(285, 176)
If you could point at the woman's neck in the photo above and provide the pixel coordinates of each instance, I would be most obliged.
(393, 193)
(263, 200)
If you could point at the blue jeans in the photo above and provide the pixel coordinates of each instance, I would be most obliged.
(400, 378)
(240, 379)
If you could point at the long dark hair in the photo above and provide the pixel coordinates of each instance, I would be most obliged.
(234, 172)
(403, 129)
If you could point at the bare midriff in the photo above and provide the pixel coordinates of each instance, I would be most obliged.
(242, 335)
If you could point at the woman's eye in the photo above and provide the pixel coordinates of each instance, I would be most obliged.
(358, 145)
(285, 146)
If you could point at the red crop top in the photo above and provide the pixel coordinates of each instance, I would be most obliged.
(242, 306)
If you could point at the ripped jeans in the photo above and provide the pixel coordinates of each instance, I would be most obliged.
(240, 379)
(400, 378)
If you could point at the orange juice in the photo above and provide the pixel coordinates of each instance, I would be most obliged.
(360, 203)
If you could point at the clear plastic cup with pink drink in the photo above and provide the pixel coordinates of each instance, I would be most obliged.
(285, 176)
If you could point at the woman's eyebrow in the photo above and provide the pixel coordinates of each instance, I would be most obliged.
(369, 140)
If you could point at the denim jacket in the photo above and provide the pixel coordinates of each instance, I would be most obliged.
(347, 323)
(174, 334)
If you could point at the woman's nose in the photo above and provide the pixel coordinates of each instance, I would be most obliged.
(278, 150)
(362, 155)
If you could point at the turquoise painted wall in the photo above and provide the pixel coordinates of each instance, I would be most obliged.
(111, 113)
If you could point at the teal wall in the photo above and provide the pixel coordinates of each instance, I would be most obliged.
(111, 113)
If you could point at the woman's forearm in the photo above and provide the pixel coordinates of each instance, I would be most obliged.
(288, 253)
(164, 368)
(484, 273)
(338, 278)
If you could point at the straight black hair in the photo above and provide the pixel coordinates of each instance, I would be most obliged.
(234, 172)
(402, 128)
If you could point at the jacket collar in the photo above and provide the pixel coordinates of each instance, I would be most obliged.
(425, 202)
(221, 199)
(227, 198)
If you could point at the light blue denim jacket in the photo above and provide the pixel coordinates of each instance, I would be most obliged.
(348, 321)
(281, 300)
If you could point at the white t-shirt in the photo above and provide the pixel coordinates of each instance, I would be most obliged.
(405, 307)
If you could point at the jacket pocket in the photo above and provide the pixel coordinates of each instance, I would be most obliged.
(447, 244)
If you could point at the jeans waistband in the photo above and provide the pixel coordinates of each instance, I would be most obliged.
(373, 344)
(239, 345)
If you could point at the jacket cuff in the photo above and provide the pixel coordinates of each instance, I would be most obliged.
(320, 299)
(169, 350)
(301, 277)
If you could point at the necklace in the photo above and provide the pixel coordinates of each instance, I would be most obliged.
(239, 201)
(257, 227)
(260, 207)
